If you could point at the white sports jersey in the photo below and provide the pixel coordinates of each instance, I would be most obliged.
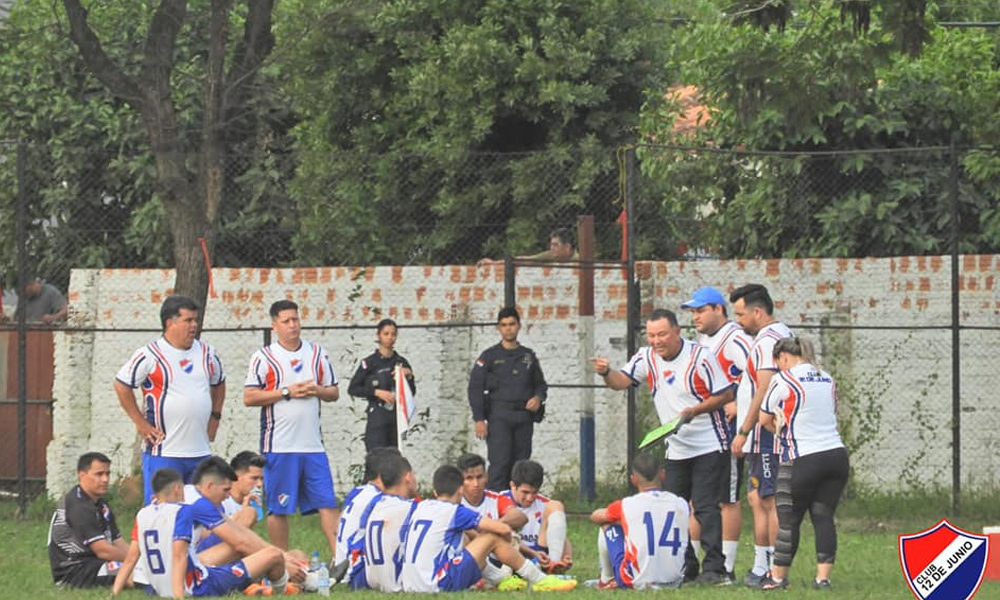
(686, 380)
(175, 387)
(156, 528)
(655, 524)
(493, 506)
(761, 359)
(807, 398)
(229, 506)
(382, 527)
(349, 532)
(731, 347)
(533, 528)
(433, 534)
(290, 425)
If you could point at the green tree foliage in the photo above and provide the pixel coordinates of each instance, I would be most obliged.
(405, 106)
(826, 84)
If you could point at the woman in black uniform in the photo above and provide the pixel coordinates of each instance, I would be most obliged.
(375, 382)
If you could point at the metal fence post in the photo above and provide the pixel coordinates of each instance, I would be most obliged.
(632, 293)
(585, 300)
(22, 333)
(956, 401)
(509, 282)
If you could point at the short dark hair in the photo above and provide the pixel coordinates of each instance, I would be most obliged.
(468, 461)
(527, 471)
(507, 312)
(25, 279)
(164, 478)
(85, 461)
(374, 459)
(385, 323)
(172, 307)
(246, 459)
(662, 313)
(392, 469)
(281, 305)
(564, 234)
(647, 466)
(447, 480)
(213, 466)
(753, 294)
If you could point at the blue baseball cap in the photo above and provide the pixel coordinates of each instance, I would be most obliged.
(705, 295)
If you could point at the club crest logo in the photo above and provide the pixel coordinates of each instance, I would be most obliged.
(296, 365)
(186, 365)
(237, 571)
(283, 499)
(943, 562)
(669, 377)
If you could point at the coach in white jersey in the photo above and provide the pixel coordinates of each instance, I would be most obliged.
(183, 390)
(754, 311)
(731, 347)
(288, 379)
(800, 406)
(642, 539)
(687, 382)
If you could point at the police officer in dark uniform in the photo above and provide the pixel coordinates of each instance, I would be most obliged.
(374, 380)
(507, 393)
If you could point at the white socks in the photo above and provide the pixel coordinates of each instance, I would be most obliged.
(530, 572)
(555, 534)
(604, 558)
(279, 584)
(729, 550)
(761, 559)
(494, 574)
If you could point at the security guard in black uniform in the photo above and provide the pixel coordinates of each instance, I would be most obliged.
(507, 393)
(375, 382)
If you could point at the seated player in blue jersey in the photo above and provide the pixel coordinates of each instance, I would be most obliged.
(643, 537)
(357, 500)
(543, 537)
(435, 557)
(166, 533)
(381, 527)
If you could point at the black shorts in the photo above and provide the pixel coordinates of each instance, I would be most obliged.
(734, 480)
(92, 572)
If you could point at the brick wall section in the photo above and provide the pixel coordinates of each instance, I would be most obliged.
(895, 385)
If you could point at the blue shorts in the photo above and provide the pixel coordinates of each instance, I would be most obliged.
(223, 580)
(297, 479)
(762, 474)
(461, 573)
(614, 537)
(356, 576)
(151, 464)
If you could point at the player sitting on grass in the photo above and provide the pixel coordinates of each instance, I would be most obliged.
(249, 468)
(643, 537)
(433, 555)
(381, 526)
(166, 533)
(349, 533)
(543, 537)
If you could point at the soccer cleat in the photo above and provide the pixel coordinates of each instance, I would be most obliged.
(732, 577)
(512, 584)
(292, 589)
(753, 580)
(713, 578)
(822, 584)
(258, 589)
(338, 570)
(553, 583)
(768, 584)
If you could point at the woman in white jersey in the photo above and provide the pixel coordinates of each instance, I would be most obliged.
(800, 408)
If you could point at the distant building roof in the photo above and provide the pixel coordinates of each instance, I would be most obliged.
(693, 114)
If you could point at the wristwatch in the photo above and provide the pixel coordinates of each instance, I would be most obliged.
(286, 393)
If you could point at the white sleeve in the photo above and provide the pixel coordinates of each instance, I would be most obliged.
(637, 368)
(138, 367)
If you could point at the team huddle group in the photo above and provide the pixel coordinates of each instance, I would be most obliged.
(746, 390)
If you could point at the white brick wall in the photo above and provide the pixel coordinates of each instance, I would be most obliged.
(897, 380)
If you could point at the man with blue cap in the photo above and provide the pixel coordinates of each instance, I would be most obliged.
(731, 347)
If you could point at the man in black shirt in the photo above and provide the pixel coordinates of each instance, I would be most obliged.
(507, 393)
(85, 547)
(375, 381)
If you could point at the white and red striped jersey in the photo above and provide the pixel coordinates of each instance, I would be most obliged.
(685, 380)
(731, 347)
(382, 526)
(433, 535)
(290, 425)
(761, 359)
(655, 524)
(493, 506)
(807, 399)
(533, 528)
(176, 394)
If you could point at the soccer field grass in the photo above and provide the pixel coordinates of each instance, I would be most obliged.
(867, 561)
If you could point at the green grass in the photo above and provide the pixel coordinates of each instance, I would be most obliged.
(867, 562)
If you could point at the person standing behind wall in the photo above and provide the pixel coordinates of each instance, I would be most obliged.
(374, 380)
(507, 392)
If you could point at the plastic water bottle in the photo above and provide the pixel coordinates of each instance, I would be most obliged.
(323, 583)
(314, 562)
(254, 502)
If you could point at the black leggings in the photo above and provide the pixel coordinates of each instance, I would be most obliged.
(811, 483)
